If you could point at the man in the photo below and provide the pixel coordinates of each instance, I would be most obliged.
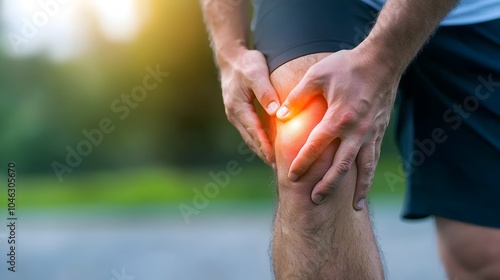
(332, 91)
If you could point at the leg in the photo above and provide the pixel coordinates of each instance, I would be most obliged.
(469, 251)
(327, 241)
(453, 177)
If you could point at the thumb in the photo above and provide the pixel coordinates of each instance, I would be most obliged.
(297, 99)
(266, 95)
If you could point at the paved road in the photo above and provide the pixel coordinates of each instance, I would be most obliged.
(156, 244)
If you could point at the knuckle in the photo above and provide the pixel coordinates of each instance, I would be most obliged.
(250, 131)
(250, 71)
(328, 132)
(364, 187)
(364, 127)
(314, 148)
(253, 71)
(254, 136)
(264, 95)
(249, 143)
(348, 119)
(368, 168)
(382, 126)
(230, 115)
(229, 103)
(362, 190)
(343, 167)
(329, 189)
(313, 73)
(363, 106)
(252, 146)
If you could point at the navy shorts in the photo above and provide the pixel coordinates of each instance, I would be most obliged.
(449, 101)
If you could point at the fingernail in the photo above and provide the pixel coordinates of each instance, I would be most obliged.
(318, 199)
(271, 109)
(361, 203)
(282, 112)
(274, 166)
(293, 177)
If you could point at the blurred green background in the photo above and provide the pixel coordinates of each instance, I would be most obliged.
(157, 182)
(64, 77)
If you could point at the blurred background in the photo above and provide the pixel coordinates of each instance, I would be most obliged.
(126, 165)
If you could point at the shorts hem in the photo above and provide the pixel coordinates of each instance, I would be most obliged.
(306, 49)
(471, 215)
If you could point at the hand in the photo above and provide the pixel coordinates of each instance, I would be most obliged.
(243, 79)
(360, 91)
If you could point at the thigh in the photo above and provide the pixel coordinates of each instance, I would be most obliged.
(287, 29)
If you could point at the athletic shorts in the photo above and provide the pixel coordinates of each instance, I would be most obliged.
(449, 101)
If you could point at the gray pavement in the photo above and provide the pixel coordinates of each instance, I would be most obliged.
(224, 242)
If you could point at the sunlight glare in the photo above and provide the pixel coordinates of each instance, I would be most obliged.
(61, 28)
(118, 18)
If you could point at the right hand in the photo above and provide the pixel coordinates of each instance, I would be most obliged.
(244, 78)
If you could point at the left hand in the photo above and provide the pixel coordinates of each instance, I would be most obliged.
(360, 90)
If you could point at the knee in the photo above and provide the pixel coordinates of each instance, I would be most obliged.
(491, 271)
(292, 134)
(470, 250)
(289, 139)
(480, 263)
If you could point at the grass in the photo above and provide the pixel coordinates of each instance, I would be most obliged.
(163, 185)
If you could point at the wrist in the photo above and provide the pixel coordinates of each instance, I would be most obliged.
(376, 52)
(381, 67)
(228, 54)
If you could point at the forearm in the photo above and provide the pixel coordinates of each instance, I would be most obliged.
(227, 25)
(244, 74)
(402, 28)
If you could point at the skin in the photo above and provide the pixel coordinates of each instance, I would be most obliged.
(325, 173)
(242, 71)
(327, 241)
(468, 251)
(360, 88)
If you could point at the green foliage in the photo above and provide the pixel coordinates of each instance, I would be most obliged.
(45, 105)
(153, 186)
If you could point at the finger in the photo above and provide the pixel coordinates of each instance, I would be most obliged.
(298, 98)
(321, 136)
(253, 145)
(265, 93)
(366, 162)
(266, 147)
(342, 163)
(251, 130)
